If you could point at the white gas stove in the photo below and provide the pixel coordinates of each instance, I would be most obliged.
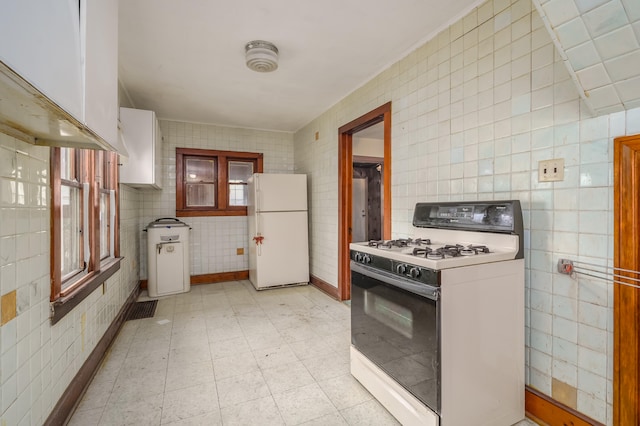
(438, 318)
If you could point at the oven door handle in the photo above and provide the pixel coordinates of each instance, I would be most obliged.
(425, 290)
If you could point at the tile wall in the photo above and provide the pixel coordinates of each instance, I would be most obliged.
(37, 360)
(474, 110)
(214, 240)
(599, 41)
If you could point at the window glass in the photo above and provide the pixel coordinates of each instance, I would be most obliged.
(104, 225)
(201, 195)
(71, 231)
(200, 171)
(66, 164)
(239, 173)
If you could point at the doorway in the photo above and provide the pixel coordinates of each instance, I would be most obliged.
(346, 162)
(368, 185)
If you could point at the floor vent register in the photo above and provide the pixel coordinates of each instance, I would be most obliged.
(142, 310)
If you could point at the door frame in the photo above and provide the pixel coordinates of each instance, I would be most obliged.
(345, 187)
(626, 306)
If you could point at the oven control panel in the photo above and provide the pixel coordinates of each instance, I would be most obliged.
(396, 268)
(492, 216)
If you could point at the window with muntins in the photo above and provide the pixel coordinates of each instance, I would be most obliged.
(84, 238)
(213, 183)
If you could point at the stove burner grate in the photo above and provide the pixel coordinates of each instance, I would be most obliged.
(400, 243)
(449, 251)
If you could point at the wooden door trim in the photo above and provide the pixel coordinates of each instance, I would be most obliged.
(626, 308)
(345, 187)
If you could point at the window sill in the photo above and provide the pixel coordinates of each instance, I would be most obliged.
(65, 304)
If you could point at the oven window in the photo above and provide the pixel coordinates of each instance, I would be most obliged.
(391, 314)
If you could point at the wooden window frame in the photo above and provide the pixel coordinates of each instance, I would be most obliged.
(96, 270)
(221, 158)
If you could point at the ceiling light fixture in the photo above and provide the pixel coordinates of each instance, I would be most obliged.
(262, 56)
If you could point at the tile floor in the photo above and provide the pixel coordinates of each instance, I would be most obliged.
(225, 354)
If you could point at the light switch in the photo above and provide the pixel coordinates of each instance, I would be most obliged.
(551, 170)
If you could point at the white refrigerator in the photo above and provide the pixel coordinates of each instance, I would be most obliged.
(278, 230)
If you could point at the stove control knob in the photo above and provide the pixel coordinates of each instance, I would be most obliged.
(401, 269)
(366, 258)
(358, 257)
(414, 272)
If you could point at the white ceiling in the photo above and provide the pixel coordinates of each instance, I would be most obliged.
(185, 59)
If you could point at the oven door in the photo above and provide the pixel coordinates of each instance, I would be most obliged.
(395, 324)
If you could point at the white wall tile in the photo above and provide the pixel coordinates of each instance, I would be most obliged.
(572, 33)
(616, 43)
(583, 55)
(606, 18)
(560, 11)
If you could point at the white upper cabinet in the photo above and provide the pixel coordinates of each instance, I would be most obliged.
(100, 29)
(141, 133)
(40, 40)
(67, 50)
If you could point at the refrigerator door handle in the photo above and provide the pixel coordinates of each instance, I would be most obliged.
(258, 240)
(258, 193)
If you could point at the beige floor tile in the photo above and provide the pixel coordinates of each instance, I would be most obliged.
(262, 411)
(326, 367)
(274, 356)
(142, 364)
(264, 341)
(303, 404)
(368, 413)
(345, 391)
(312, 348)
(189, 338)
(97, 395)
(189, 402)
(86, 417)
(224, 332)
(141, 410)
(284, 377)
(238, 389)
(298, 334)
(184, 376)
(189, 307)
(192, 354)
(152, 346)
(208, 419)
(333, 419)
(229, 347)
(234, 365)
(129, 387)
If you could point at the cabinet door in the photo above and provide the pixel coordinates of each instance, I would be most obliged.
(142, 136)
(100, 29)
(40, 40)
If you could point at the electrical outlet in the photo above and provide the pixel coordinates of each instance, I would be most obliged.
(551, 170)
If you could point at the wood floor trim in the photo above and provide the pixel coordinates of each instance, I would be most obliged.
(548, 411)
(211, 278)
(324, 286)
(72, 395)
(219, 277)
